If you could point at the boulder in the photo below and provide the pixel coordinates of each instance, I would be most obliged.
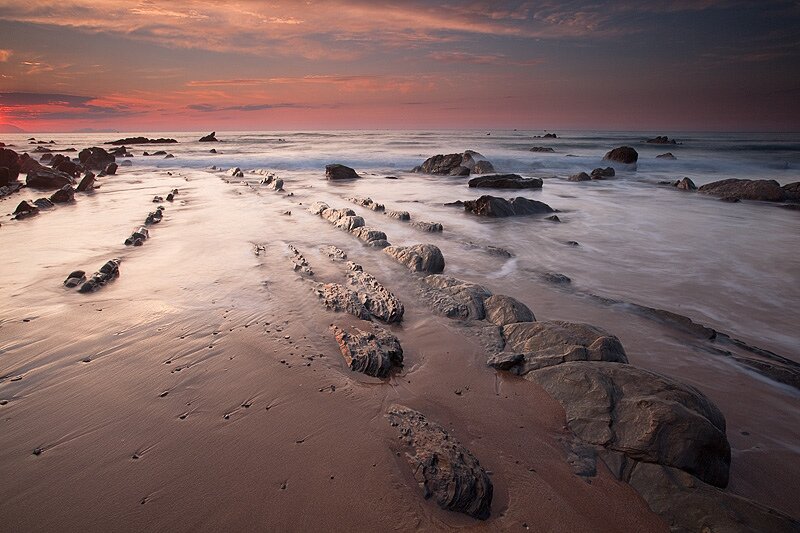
(742, 189)
(445, 470)
(349, 223)
(111, 169)
(543, 149)
(235, 172)
(9, 159)
(668, 156)
(317, 208)
(543, 344)
(581, 176)
(341, 299)
(456, 298)
(367, 234)
(47, 179)
(792, 191)
(28, 164)
(399, 215)
(142, 140)
(492, 206)
(418, 258)
(337, 172)
(378, 300)
(600, 173)
(75, 278)
(375, 352)
(450, 165)
(43, 203)
(430, 227)
(210, 138)
(643, 415)
(63, 195)
(661, 139)
(623, 154)
(482, 167)
(688, 505)
(24, 209)
(685, 184)
(502, 310)
(67, 166)
(505, 181)
(95, 158)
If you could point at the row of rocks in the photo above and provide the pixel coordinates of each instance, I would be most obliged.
(404, 216)
(108, 272)
(596, 174)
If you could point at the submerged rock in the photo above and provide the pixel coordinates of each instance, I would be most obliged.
(375, 353)
(506, 181)
(418, 258)
(544, 149)
(63, 195)
(336, 254)
(741, 189)
(661, 139)
(340, 172)
(367, 202)
(492, 206)
(581, 176)
(443, 467)
(623, 154)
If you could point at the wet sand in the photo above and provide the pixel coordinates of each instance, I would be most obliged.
(202, 389)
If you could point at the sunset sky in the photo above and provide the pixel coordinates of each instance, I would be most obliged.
(246, 65)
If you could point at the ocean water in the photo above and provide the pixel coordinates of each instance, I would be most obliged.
(734, 267)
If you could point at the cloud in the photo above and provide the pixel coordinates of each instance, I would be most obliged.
(480, 59)
(210, 108)
(31, 99)
(55, 106)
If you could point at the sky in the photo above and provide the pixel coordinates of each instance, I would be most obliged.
(193, 65)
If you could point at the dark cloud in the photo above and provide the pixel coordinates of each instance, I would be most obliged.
(27, 99)
(40, 106)
(208, 108)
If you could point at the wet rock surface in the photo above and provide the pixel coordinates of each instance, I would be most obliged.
(502, 310)
(445, 470)
(742, 189)
(339, 298)
(378, 300)
(624, 154)
(418, 258)
(492, 206)
(456, 298)
(374, 352)
(505, 181)
(430, 227)
(340, 172)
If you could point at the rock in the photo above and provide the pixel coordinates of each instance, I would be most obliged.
(399, 215)
(505, 181)
(108, 272)
(111, 169)
(340, 172)
(456, 298)
(28, 164)
(9, 159)
(169, 156)
(24, 209)
(67, 166)
(95, 158)
(545, 149)
(688, 505)
(341, 299)
(349, 223)
(544, 344)
(553, 218)
(667, 156)
(154, 217)
(581, 176)
(661, 139)
(643, 415)
(75, 278)
(44, 203)
(430, 227)
(445, 470)
(368, 234)
(367, 202)
(492, 206)
(142, 140)
(333, 215)
(138, 236)
(210, 138)
(502, 310)
(299, 262)
(212, 151)
(375, 352)
(792, 191)
(546, 136)
(334, 253)
(376, 298)
(126, 163)
(450, 165)
(5, 177)
(741, 189)
(482, 167)
(600, 173)
(87, 183)
(556, 278)
(46, 157)
(685, 184)
(63, 195)
(235, 172)
(418, 258)
(47, 179)
(623, 154)
(317, 208)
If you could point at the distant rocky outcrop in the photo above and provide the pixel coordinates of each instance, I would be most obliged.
(337, 172)
(742, 189)
(668, 156)
(445, 470)
(210, 138)
(375, 352)
(624, 154)
(661, 139)
(543, 149)
(142, 140)
(505, 181)
(546, 136)
(492, 206)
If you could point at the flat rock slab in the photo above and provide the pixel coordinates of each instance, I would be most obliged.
(445, 470)
(375, 352)
(505, 181)
(418, 258)
(646, 416)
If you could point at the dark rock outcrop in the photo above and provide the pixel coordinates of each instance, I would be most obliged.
(64, 195)
(87, 183)
(450, 165)
(792, 191)
(418, 258)
(210, 138)
(668, 156)
(643, 415)
(108, 272)
(740, 189)
(444, 468)
(685, 184)
(142, 140)
(95, 158)
(624, 154)
(482, 167)
(111, 169)
(47, 179)
(138, 237)
(600, 173)
(505, 181)
(75, 278)
(25, 209)
(492, 206)
(580, 176)
(375, 352)
(9, 159)
(544, 149)
(336, 172)
(503, 310)
(661, 139)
